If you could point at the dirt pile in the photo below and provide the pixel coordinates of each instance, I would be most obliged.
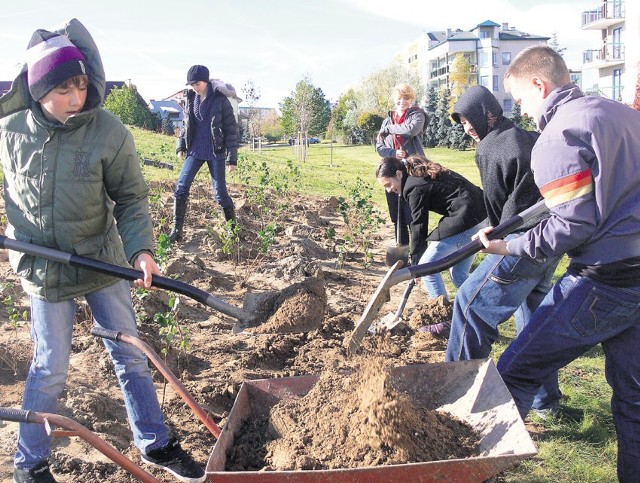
(359, 420)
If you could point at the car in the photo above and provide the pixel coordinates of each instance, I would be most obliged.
(314, 140)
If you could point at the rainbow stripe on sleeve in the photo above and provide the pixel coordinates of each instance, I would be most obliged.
(567, 188)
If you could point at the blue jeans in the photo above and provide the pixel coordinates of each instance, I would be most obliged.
(217, 171)
(575, 316)
(501, 286)
(440, 249)
(51, 331)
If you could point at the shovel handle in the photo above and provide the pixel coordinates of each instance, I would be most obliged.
(127, 274)
(437, 266)
(16, 415)
(106, 333)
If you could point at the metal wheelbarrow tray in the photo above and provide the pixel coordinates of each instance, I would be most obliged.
(470, 390)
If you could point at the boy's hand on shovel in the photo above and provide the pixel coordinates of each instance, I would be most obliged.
(145, 262)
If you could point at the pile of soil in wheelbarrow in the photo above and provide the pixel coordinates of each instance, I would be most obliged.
(350, 421)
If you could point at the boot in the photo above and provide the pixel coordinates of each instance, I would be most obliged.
(229, 213)
(179, 211)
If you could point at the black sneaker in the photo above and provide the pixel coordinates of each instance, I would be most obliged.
(173, 459)
(40, 473)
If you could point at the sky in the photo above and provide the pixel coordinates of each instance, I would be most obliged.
(273, 43)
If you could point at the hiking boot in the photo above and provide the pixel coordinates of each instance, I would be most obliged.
(175, 460)
(441, 329)
(38, 474)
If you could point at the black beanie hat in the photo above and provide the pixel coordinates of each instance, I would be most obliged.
(51, 59)
(197, 73)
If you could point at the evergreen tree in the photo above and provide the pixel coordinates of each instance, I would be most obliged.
(457, 137)
(525, 122)
(443, 125)
(167, 126)
(431, 127)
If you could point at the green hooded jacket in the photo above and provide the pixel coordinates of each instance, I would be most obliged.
(75, 187)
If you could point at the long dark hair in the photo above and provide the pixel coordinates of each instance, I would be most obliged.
(418, 165)
(388, 167)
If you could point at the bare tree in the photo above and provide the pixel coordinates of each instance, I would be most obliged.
(254, 117)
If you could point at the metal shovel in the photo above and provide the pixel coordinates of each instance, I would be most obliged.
(395, 275)
(129, 274)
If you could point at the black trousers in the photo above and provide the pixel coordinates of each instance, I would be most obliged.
(402, 233)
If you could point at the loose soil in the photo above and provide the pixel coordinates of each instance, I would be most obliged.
(309, 305)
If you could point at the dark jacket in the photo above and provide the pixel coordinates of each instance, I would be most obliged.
(459, 201)
(503, 157)
(224, 128)
(412, 130)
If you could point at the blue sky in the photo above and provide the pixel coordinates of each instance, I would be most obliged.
(275, 43)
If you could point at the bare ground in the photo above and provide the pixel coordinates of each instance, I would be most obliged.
(304, 332)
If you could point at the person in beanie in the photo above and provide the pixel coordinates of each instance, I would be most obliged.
(73, 183)
(500, 286)
(209, 135)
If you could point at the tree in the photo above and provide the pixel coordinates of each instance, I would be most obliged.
(555, 45)
(370, 122)
(525, 122)
(636, 99)
(460, 77)
(443, 120)
(272, 127)
(130, 107)
(305, 112)
(375, 90)
(254, 117)
(167, 126)
(457, 137)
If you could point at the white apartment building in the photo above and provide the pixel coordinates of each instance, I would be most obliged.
(610, 69)
(488, 47)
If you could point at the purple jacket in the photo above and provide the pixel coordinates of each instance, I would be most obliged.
(586, 164)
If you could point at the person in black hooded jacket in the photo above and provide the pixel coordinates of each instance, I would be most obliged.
(429, 187)
(500, 286)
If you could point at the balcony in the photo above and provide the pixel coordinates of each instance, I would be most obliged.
(607, 14)
(608, 56)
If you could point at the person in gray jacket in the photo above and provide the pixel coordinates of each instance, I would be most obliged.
(73, 183)
(400, 136)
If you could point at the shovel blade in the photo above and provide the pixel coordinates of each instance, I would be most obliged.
(397, 253)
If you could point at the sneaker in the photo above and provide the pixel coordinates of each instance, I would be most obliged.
(175, 460)
(440, 329)
(38, 474)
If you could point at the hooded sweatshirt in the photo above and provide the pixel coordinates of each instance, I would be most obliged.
(503, 157)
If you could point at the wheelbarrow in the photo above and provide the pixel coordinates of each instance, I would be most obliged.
(130, 274)
(73, 428)
(470, 390)
(395, 275)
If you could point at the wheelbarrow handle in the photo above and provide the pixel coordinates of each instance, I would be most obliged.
(47, 419)
(474, 246)
(127, 274)
(164, 370)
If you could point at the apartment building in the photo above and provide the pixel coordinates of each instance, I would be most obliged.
(488, 48)
(610, 68)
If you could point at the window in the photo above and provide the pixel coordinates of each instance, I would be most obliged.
(483, 59)
(617, 85)
(495, 83)
(494, 59)
(507, 105)
(506, 58)
(485, 34)
(484, 81)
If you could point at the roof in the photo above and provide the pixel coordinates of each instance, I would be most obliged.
(439, 37)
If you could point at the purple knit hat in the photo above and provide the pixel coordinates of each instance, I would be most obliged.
(51, 60)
